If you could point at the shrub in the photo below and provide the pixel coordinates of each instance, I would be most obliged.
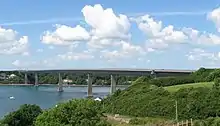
(213, 75)
(24, 116)
(217, 82)
(202, 74)
(83, 112)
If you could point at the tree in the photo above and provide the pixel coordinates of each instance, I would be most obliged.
(82, 112)
(24, 116)
(216, 82)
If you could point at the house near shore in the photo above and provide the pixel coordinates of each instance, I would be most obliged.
(67, 81)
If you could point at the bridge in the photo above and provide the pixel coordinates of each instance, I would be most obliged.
(112, 72)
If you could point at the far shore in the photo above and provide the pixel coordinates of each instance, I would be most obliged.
(64, 85)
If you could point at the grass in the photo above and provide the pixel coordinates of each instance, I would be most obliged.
(194, 85)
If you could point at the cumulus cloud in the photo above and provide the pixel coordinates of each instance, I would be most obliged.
(35, 64)
(76, 56)
(10, 43)
(202, 38)
(106, 26)
(127, 50)
(215, 17)
(159, 37)
(198, 54)
(109, 35)
(65, 35)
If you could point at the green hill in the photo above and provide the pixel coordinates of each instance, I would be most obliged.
(191, 85)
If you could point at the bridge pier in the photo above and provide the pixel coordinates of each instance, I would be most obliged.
(25, 78)
(36, 79)
(89, 81)
(113, 84)
(60, 84)
(153, 74)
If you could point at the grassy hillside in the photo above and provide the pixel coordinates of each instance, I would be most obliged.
(194, 85)
(196, 95)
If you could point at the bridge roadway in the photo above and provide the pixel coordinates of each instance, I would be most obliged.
(121, 71)
(112, 72)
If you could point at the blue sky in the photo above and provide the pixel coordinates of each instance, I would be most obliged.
(109, 34)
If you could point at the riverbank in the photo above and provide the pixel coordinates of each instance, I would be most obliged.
(64, 85)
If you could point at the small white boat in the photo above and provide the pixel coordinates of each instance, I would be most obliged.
(11, 97)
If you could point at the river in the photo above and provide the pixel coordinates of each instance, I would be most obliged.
(44, 96)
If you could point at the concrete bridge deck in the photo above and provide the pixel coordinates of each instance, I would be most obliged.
(121, 71)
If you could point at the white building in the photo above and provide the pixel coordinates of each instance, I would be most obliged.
(67, 81)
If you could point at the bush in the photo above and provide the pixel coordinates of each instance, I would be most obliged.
(213, 75)
(202, 74)
(217, 82)
(24, 116)
(83, 112)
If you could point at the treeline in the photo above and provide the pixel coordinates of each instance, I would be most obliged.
(146, 97)
(201, 75)
(52, 78)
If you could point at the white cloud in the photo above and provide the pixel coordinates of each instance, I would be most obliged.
(127, 50)
(25, 53)
(204, 38)
(215, 17)
(65, 35)
(16, 63)
(76, 56)
(109, 34)
(159, 36)
(105, 25)
(10, 43)
(198, 54)
(35, 64)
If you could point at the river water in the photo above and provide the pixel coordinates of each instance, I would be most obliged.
(44, 96)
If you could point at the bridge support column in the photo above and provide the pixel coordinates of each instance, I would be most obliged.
(60, 84)
(153, 74)
(89, 81)
(25, 78)
(36, 80)
(113, 84)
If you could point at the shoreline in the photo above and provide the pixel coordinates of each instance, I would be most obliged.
(64, 85)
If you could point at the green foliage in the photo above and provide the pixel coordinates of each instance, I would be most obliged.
(213, 75)
(170, 81)
(208, 122)
(146, 99)
(24, 116)
(202, 75)
(84, 112)
(143, 80)
(217, 82)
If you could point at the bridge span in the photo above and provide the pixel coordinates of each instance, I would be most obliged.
(113, 72)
